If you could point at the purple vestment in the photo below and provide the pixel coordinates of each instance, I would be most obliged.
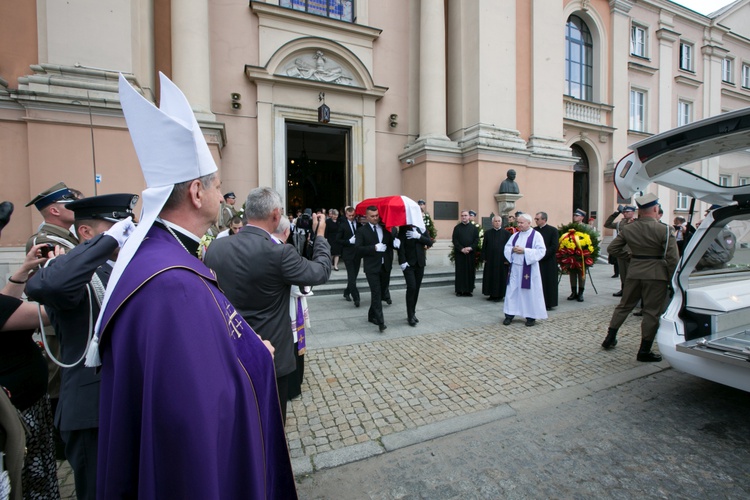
(188, 405)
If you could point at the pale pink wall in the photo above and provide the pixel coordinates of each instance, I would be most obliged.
(523, 68)
(14, 185)
(18, 40)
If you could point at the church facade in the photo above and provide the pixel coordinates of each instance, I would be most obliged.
(334, 101)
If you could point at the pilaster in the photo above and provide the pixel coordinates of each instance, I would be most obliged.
(191, 69)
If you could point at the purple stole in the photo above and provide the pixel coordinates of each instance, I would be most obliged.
(526, 275)
(300, 327)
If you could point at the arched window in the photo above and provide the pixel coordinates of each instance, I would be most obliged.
(578, 59)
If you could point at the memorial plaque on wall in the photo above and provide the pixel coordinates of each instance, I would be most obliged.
(487, 223)
(446, 210)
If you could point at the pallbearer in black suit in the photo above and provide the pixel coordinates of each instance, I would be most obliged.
(495, 274)
(375, 245)
(71, 287)
(411, 258)
(347, 236)
(548, 264)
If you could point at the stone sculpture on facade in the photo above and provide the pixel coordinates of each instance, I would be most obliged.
(507, 196)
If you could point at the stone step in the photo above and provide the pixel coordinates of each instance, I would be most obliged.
(432, 278)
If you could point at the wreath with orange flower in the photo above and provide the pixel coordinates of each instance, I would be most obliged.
(578, 249)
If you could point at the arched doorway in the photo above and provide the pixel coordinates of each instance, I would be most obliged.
(580, 179)
(317, 166)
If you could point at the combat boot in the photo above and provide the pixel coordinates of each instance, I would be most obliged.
(573, 294)
(611, 340)
(579, 297)
(645, 354)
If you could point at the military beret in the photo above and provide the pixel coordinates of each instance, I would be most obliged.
(59, 193)
(647, 200)
(111, 207)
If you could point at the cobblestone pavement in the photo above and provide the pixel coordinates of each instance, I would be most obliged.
(366, 393)
(667, 435)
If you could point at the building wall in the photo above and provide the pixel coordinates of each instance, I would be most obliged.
(502, 101)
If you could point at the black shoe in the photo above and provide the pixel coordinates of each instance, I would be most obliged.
(347, 298)
(617, 294)
(530, 322)
(382, 327)
(388, 301)
(550, 308)
(579, 298)
(639, 313)
(573, 296)
(615, 275)
(459, 294)
(356, 303)
(508, 320)
(491, 299)
(415, 319)
(412, 322)
(611, 340)
(648, 357)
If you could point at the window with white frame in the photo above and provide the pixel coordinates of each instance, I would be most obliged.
(725, 180)
(686, 56)
(746, 76)
(683, 201)
(727, 65)
(744, 181)
(638, 40)
(579, 55)
(684, 112)
(335, 9)
(637, 110)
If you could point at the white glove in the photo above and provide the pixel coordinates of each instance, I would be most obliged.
(352, 240)
(121, 231)
(396, 243)
(380, 247)
(404, 266)
(413, 234)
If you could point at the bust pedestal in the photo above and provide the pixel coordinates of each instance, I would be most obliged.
(506, 203)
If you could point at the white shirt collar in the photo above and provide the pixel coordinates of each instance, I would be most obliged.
(180, 229)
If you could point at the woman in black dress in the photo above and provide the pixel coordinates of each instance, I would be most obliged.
(331, 234)
(23, 375)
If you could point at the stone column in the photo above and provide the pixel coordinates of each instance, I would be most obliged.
(191, 68)
(619, 81)
(547, 79)
(713, 55)
(432, 119)
(665, 111)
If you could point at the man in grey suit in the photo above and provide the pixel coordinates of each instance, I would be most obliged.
(71, 288)
(256, 274)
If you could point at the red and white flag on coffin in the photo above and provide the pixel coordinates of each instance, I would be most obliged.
(394, 211)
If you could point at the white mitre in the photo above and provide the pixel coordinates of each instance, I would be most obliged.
(171, 149)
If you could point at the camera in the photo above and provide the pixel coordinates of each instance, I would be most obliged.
(45, 250)
(409, 162)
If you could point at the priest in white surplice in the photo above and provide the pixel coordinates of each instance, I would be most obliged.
(524, 295)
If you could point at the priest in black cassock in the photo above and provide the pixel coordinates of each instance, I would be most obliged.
(495, 268)
(548, 265)
(465, 245)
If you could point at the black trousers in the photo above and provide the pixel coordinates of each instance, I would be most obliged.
(282, 385)
(80, 450)
(352, 270)
(378, 283)
(294, 388)
(413, 277)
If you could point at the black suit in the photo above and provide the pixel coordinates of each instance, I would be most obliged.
(548, 264)
(412, 252)
(64, 288)
(377, 267)
(351, 259)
